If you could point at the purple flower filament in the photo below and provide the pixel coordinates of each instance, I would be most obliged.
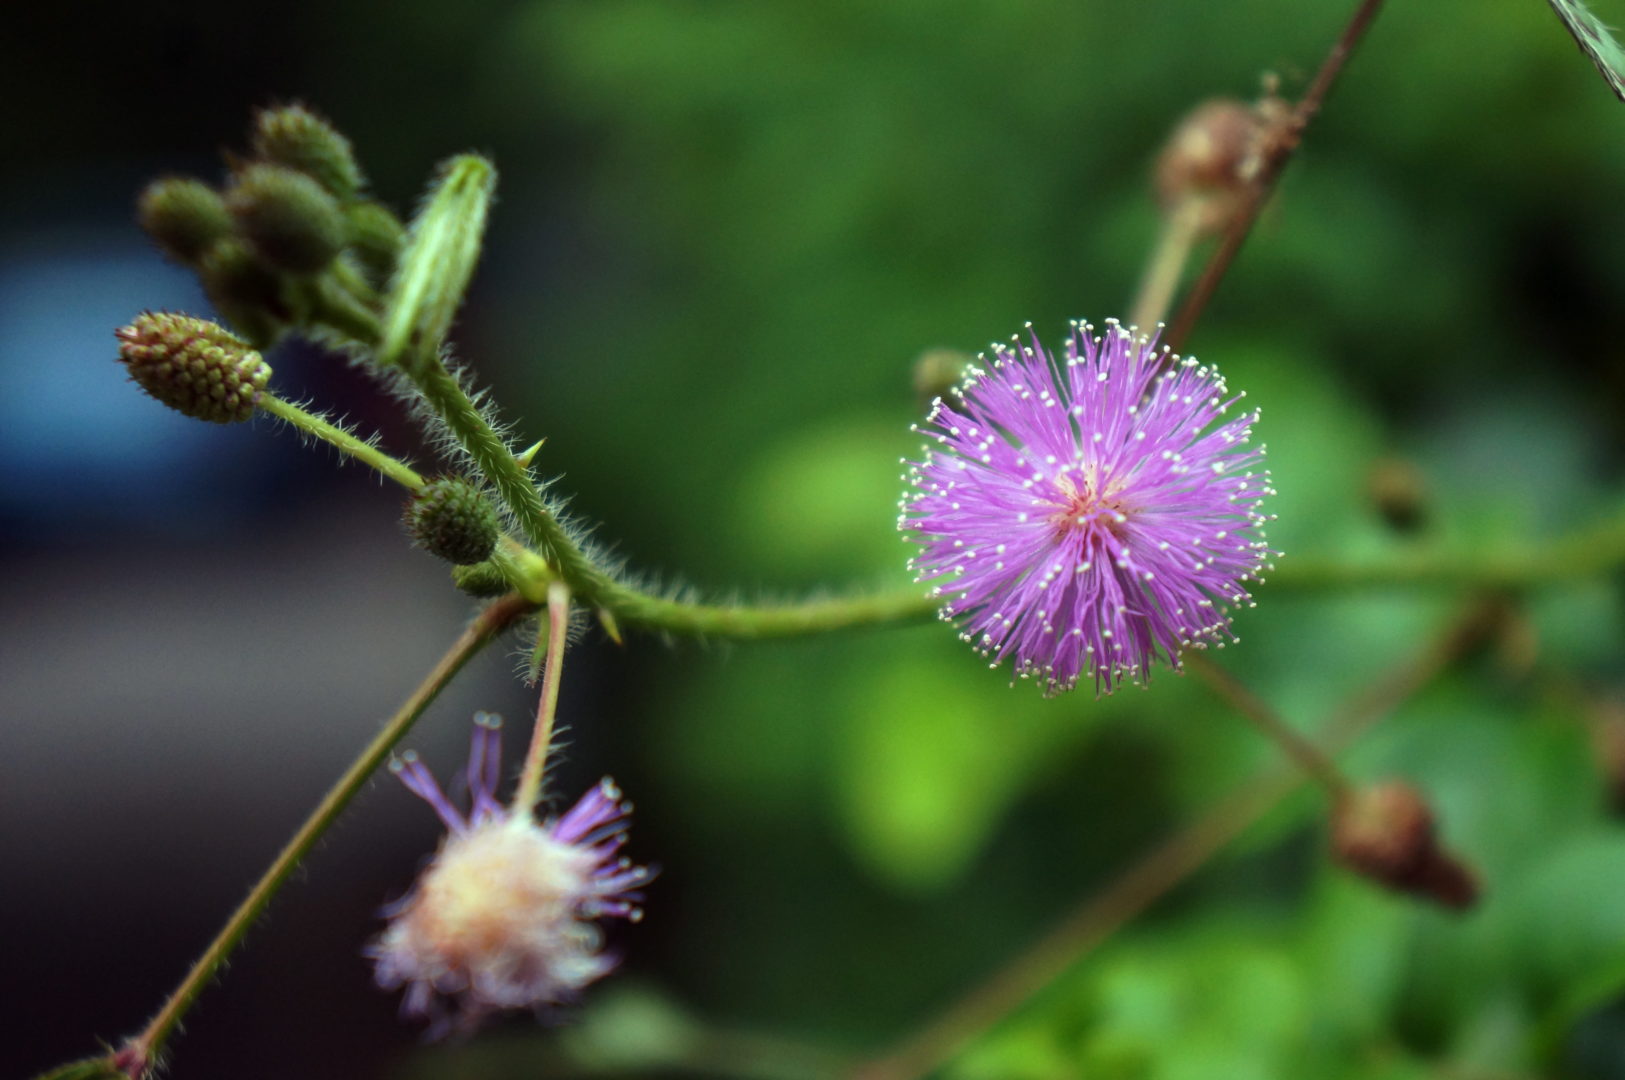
(1093, 515)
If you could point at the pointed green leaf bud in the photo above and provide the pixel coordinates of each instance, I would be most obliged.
(185, 217)
(376, 238)
(442, 248)
(299, 139)
(481, 579)
(194, 366)
(249, 294)
(451, 518)
(289, 219)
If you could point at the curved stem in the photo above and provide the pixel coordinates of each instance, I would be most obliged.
(342, 440)
(137, 1055)
(541, 739)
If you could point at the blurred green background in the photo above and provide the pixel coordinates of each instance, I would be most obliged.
(725, 231)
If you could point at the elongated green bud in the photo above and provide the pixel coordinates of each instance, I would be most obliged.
(442, 248)
(291, 221)
(185, 217)
(452, 519)
(299, 139)
(376, 238)
(194, 366)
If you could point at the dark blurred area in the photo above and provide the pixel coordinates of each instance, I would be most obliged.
(724, 231)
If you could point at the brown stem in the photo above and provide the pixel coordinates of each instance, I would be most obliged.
(1279, 149)
(1164, 867)
(1310, 758)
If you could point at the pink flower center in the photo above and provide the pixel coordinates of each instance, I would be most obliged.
(1086, 509)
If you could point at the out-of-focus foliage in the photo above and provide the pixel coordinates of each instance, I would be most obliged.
(725, 229)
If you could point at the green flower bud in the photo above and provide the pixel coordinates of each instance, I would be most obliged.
(450, 517)
(299, 139)
(376, 238)
(481, 579)
(185, 217)
(248, 293)
(291, 220)
(194, 366)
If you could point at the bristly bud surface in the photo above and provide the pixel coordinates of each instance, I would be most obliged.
(185, 217)
(453, 520)
(293, 222)
(1087, 515)
(480, 579)
(194, 366)
(249, 294)
(299, 139)
(1386, 832)
(505, 915)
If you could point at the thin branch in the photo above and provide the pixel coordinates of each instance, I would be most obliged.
(1282, 145)
(1164, 867)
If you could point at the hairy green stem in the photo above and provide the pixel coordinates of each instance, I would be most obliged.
(137, 1055)
(342, 440)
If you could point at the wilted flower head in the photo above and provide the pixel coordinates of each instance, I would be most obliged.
(502, 918)
(1092, 515)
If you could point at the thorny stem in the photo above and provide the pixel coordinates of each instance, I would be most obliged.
(345, 442)
(541, 740)
(1165, 866)
(1283, 142)
(1180, 231)
(138, 1055)
(1304, 753)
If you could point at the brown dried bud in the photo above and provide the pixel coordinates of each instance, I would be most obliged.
(1399, 493)
(1209, 161)
(1386, 832)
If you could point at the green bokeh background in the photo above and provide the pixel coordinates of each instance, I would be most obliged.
(725, 231)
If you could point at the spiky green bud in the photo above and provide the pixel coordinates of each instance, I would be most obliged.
(185, 217)
(299, 139)
(376, 238)
(482, 579)
(248, 293)
(451, 518)
(194, 366)
(293, 222)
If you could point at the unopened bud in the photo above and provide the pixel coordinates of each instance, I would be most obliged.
(482, 579)
(1399, 493)
(247, 293)
(452, 519)
(194, 366)
(376, 238)
(1210, 160)
(299, 139)
(293, 222)
(438, 262)
(1386, 832)
(185, 217)
(938, 373)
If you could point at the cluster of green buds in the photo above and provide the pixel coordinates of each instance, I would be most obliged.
(291, 241)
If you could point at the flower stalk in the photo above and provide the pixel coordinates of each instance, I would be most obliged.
(137, 1056)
